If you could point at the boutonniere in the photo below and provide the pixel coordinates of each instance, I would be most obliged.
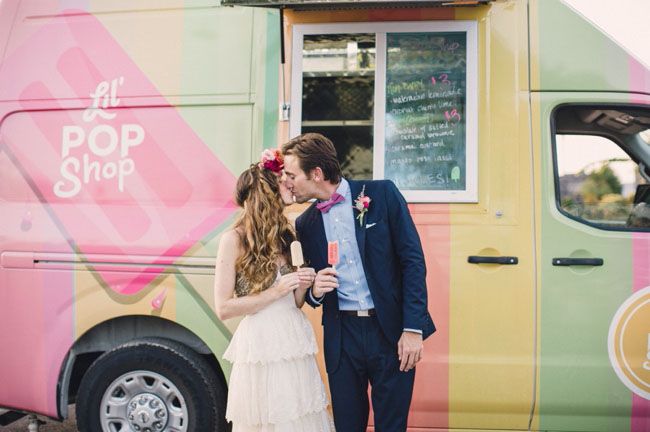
(361, 204)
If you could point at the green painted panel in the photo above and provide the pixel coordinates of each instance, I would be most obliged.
(217, 44)
(265, 79)
(195, 301)
(229, 96)
(272, 72)
(194, 311)
(579, 390)
(575, 55)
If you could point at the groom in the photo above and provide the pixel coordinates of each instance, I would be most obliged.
(375, 301)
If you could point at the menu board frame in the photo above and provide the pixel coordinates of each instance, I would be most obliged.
(469, 194)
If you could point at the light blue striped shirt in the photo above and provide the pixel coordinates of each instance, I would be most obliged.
(353, 291)
(339, 223)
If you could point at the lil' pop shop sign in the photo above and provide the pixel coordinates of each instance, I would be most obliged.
(86, 152)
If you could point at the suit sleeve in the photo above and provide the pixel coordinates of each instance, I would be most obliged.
(408, 249)
(309, 298)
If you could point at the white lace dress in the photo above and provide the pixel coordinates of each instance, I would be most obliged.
(275, 385)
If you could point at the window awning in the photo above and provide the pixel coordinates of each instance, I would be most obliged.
(340, 4)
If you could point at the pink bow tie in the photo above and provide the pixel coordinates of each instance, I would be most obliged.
(325, 206)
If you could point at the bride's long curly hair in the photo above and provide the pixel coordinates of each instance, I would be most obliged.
(264, 231)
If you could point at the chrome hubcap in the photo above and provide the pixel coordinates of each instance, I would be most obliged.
(143, 401)
(147, 413)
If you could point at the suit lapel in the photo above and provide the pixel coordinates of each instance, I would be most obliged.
(315, 226)
(359, 229)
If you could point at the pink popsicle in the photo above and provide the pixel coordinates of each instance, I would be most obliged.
(333, 253)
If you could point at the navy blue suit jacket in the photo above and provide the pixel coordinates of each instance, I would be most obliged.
(392, 259)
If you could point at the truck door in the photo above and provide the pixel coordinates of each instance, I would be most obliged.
(593, 233)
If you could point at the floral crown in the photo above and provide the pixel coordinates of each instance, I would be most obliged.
(272, 160)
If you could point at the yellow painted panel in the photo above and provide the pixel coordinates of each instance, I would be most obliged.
(96, 304)
(491, 377)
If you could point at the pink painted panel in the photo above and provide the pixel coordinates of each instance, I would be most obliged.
(37, 330)
(640, 417)
(431, 393)
(36, 309)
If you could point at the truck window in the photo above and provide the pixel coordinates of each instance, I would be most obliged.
(601, 155)
(338, 88)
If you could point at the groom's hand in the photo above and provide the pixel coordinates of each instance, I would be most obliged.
(409, 350)
(325, 282)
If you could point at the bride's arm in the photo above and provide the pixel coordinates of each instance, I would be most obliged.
(299, 295)
(226, 304)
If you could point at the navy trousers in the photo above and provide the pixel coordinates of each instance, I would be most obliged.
(368, 357)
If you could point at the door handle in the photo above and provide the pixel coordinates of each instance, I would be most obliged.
(563, 262)
(506, 260)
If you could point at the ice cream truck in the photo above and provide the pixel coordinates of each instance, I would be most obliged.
(517, 130)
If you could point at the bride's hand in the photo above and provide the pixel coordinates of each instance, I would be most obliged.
(286, 284)
(306, 275)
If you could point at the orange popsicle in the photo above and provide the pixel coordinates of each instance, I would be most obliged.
(333, 253)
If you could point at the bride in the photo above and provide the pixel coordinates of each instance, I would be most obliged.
(275, 384)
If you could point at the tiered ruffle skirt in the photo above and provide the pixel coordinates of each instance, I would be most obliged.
(275, 384)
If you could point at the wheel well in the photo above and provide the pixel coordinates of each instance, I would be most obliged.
(112, 333)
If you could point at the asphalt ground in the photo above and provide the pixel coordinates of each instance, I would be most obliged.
(69, 425)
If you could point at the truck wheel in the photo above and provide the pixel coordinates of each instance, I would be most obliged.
(151, 385)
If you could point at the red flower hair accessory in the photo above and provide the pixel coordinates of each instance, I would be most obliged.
(272, 160)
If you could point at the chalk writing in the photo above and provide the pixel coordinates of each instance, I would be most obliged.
(425, 110)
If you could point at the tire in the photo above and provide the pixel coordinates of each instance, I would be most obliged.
(151, 385)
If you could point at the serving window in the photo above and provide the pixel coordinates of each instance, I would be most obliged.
(397, 99)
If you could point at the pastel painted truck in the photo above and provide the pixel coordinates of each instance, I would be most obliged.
(517, 130)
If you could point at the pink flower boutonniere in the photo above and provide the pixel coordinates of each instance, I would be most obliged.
(361, 204)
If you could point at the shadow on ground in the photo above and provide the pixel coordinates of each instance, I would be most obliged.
(69, 425)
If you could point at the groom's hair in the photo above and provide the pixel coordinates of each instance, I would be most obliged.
(315, 150)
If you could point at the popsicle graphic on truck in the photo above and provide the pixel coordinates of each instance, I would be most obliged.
(121, 157)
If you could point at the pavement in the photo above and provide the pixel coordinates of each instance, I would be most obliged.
(70, 425)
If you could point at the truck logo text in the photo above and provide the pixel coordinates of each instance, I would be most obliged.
(99, 152)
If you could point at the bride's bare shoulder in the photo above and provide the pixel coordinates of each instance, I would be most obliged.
(230, 238)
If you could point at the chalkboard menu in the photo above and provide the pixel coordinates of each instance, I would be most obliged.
(426, 105)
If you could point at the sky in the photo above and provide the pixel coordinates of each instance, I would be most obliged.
(626, 21)
(575, 153)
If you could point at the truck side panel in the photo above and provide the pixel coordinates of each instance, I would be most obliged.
(117, 210)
